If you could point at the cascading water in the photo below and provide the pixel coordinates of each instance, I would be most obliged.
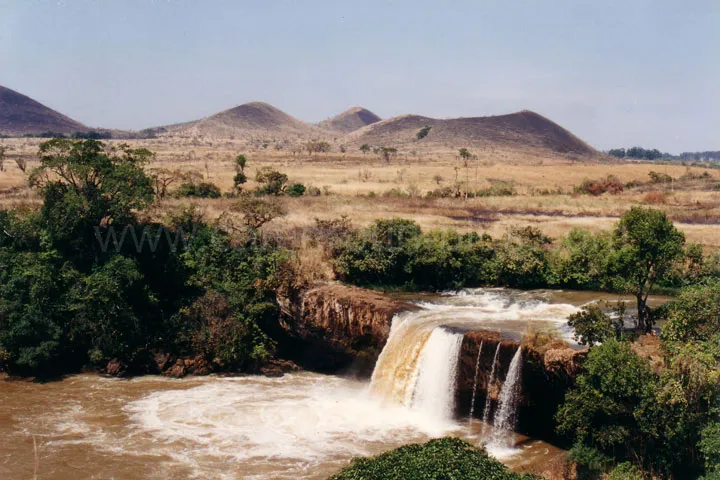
(418, 366)
(506, 415)
(491, 381)
(475, 380)
(434, 393)
(395, 373)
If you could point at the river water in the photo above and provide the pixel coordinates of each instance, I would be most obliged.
(300, 426)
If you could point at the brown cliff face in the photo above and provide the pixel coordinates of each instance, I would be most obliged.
(337, 327)
(546, 377)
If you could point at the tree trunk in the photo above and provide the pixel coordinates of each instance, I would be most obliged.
(643, 325)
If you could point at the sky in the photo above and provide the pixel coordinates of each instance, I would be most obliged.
(617, 73)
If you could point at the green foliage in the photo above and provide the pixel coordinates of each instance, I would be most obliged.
(272, 181)
(601, 411)
(646, 246)
(365, 148)
(67, 300)
(710, 447)
(592, 325)
(396, 253)
(521, 258)
(86, 185)
(695, 315)
(623, 410)
(239, 179)
(591, 462)
(240, 162)
(580, 261)
(295, 190)
(626, 471)
(658, 177)
(423, 132)
(444, 458)
(199, 190)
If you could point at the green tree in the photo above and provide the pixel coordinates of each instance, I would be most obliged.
(465, 155)
(87, 186)
(388, 153)
(646, 245)
(600, 411)
(365, 148)
(694, 316)
(592, 325)
(423, 132)
(240, 162)
(273, 182)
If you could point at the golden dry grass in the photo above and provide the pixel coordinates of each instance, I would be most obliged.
(349, 180)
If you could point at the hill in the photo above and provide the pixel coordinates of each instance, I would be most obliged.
(255, 118)
(20, 114)
(350, 120)
(521, 130)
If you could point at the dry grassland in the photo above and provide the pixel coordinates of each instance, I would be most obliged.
(356, 185)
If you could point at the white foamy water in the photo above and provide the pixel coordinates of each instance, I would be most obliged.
(296, 422)
(506, 416)
(437, 375)
(300, 426)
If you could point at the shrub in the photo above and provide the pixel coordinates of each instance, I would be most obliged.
(657, 177)
(710, 447)
(655, 198)
(600, 412)
(497, 189)
(626, 471)
(423, 132)
(446, 458)
(592, 325)
(295, 190)
(273, 182)
(610, 184)
(199, 190)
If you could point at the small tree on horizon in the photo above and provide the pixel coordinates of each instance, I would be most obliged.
(465, 155)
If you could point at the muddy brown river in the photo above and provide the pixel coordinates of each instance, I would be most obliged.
(300, 426)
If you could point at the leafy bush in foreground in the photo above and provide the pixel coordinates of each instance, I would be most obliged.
(444, 458)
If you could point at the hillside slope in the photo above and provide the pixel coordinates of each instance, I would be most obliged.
(521, 130)
(20, 114)
(254, 118)
(350, 120)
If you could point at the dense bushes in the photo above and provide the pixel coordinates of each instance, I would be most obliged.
(85, 281)
(199, 190)
(444, 458)
(395, 253)
(660, 418)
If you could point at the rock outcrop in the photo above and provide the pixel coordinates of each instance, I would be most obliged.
(337, 327)
(547, 373)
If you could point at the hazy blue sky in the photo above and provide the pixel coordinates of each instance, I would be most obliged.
(617, 73)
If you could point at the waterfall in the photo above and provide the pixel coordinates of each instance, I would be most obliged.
(434, 392)
(491, 380)
(474, 391)
(506, 415)
(395, 373)
(417, 367)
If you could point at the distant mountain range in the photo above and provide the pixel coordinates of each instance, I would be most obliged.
(21, 115)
